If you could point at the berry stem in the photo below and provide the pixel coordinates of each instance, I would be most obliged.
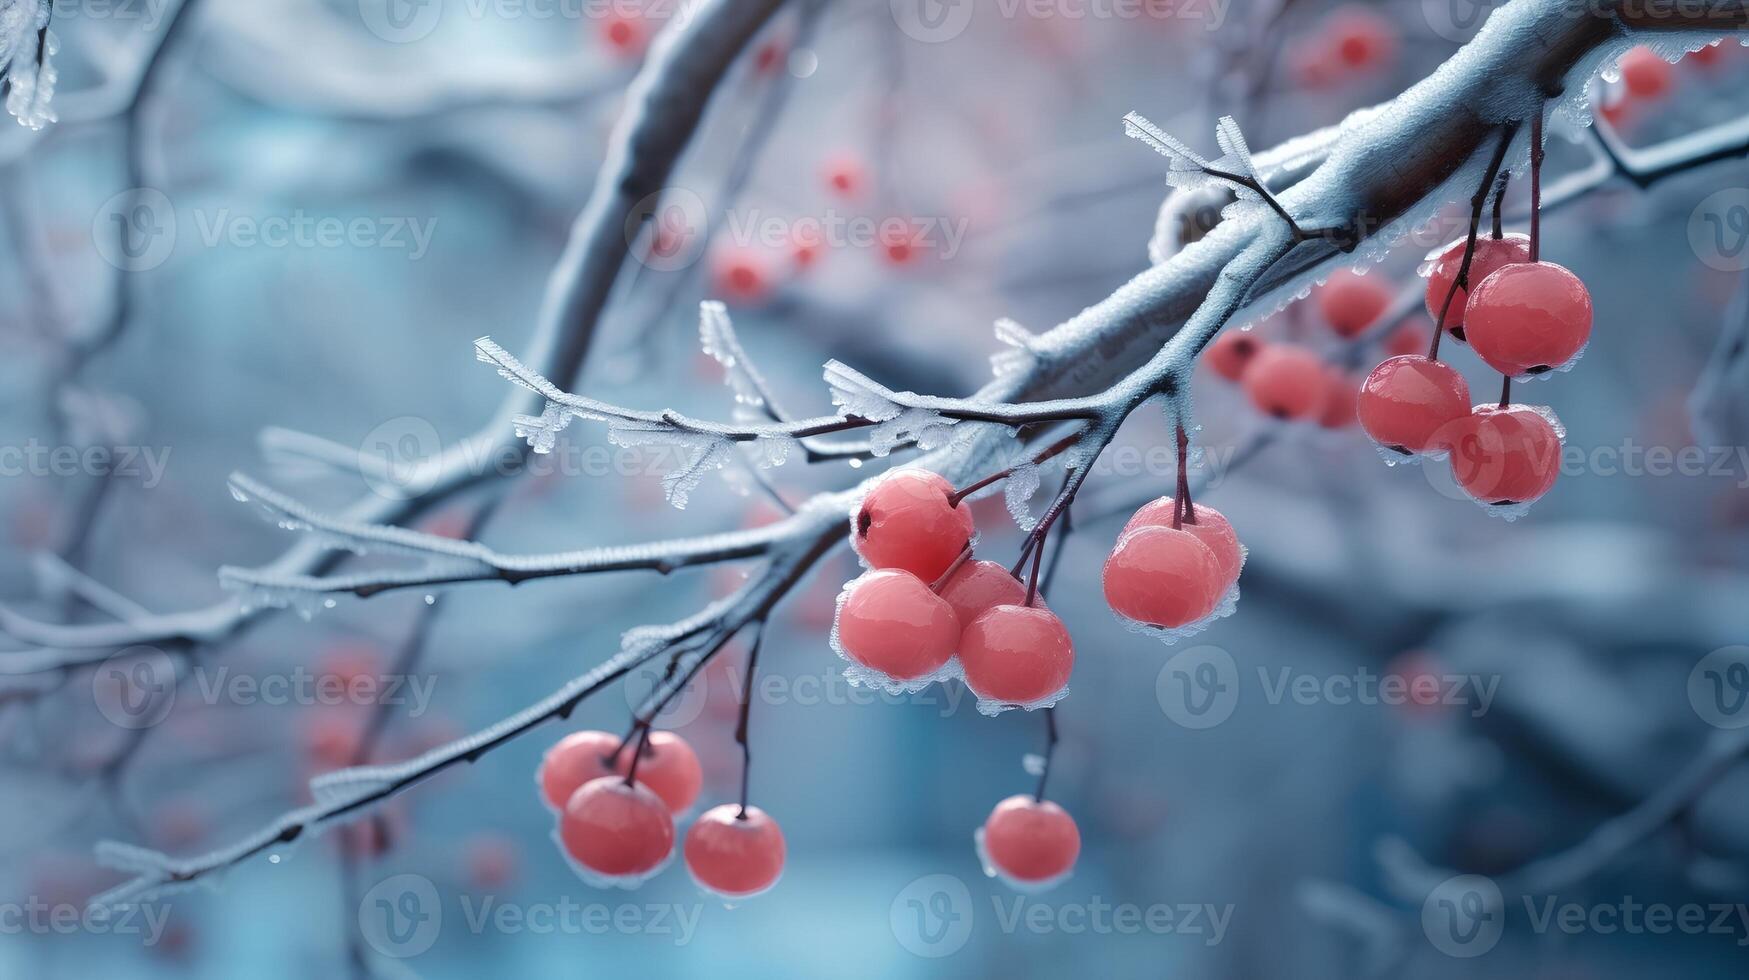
(1536, 184)
(1033, 547)
(1053, 449)
(638, 753)
(1505, 390)
(1477, 203)
(746, 709)
(1499, 200)
(1183, 509)
(960, 559)
(1038, 794)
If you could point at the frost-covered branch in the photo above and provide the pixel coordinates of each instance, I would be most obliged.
(1382, 173)
(350, 792)
(663, 108)
(1413, 878)
(446, 561)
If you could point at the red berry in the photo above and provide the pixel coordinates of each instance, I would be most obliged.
(735, 854)
(898, 243)
(979, 585)
(1707, 56)
(626, 36)
(1211, 527)
(1163, 577)
(1410, 338)
(741, 275)
(1505, 455)
(768, 58)
(844, 175)
(1231, 351)
(1408, 402)
(1645, 73)
(1350, 303)
(576, 759)
(1030, 841)
(1361, 38)
(1491, 254)
(908, 522)
(890, 622)
(1340, 399)
(1016, 654)
(669, 767)
(1529, 318)
(1285, 382)
(615, 829)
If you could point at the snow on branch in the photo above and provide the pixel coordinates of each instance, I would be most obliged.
(350, 793)
(446, 561)
(663, 108)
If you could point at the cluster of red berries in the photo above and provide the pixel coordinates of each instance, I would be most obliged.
(926, 611)
(1522, 318)
(1289, 382)
(745, 274)
(1173, 568)
(616, 823)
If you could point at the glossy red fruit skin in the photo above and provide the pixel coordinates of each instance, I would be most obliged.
(1031, 840)
(1016, 654)
(735, 856)
(1285, 382)
(1231, 351)
(1492, 254)
(977, 586)
(1645, 74)
(1210, 526)
(907, 522)
(904, 631)
(1506, 455)
(616, 830)
(1350, 303)
(1529, 318)
(669, 768)
(1408, 403)
(1162, 577)
(574, 760)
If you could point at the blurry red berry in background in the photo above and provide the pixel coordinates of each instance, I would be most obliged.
(741, 275)
(1361, 38)
(844, 175)
(625, 36)
(1646, 74)
(1350, 303)
(1231, 351)
(1285, 382)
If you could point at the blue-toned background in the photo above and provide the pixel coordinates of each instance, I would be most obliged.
(1282, 839)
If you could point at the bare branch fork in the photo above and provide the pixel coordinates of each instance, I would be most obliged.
(663, 108)
(1381, 172)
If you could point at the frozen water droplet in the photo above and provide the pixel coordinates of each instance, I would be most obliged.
(430, 599)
